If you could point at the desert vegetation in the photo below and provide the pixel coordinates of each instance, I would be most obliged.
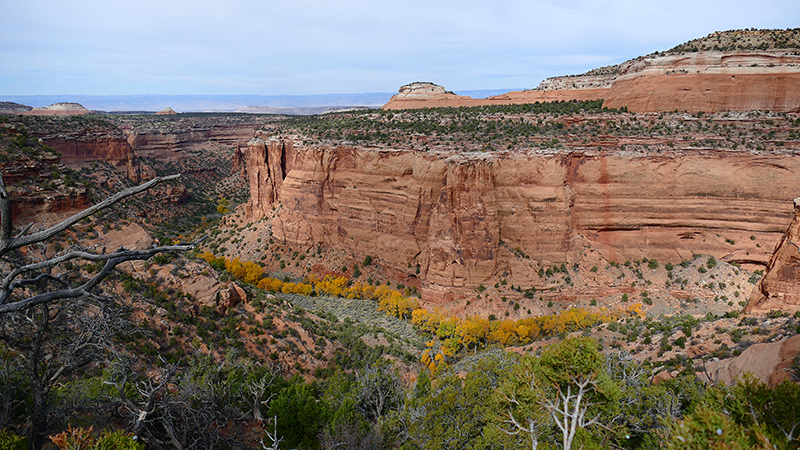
(566, 125)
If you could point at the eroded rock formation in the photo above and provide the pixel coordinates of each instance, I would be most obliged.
(471, 218)
(709, 82)
(25, 180)
(779, 288)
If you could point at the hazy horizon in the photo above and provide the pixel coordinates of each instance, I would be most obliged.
(218, 103)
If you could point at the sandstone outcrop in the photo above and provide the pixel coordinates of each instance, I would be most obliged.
(238, 164)
(59, 109)
(230, 297)
(131, 236)
(168, 111)
(471, 218)
(779, 288)
(28, 205)
(197, 282)
(769, 363)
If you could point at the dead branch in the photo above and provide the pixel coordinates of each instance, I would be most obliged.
(12, 281)
(7, 243)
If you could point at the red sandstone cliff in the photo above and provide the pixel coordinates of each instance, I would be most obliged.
(470, 218)
(173, 143)
(82, 145)
(779, 288)
(707, 81)
(25, 178)
(711, 81)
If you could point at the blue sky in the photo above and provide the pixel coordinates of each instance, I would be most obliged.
(300, 47)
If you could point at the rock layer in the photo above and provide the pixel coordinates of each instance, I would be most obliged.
(471, 218)
(707, 81)
(173, 144)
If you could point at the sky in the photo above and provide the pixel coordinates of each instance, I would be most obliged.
(301, 47)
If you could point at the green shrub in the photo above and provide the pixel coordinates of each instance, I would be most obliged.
(118, 440)
(709, 429)
(11, 441)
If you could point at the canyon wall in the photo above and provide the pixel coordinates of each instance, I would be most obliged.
(707, 81)
(471, 218)
(779, 288)
(23, 179)
(80, 145)
(173, 143)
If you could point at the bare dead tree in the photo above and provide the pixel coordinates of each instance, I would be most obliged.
(379, 391)
(169, 409)
(52, 342)
(146, 388)
(15, 294)
(256, 391)
(196, 406)
(352, 437)
(276, 440)
(570, 406)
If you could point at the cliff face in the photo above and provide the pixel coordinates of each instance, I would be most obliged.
(779, 288)
(27, 206)
(172, 143)
(707, 81)
(25, 178)
(471, 218)
(82, 145)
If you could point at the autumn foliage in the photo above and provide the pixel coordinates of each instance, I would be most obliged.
(389, 300)
(471, 333)
(453, 333)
